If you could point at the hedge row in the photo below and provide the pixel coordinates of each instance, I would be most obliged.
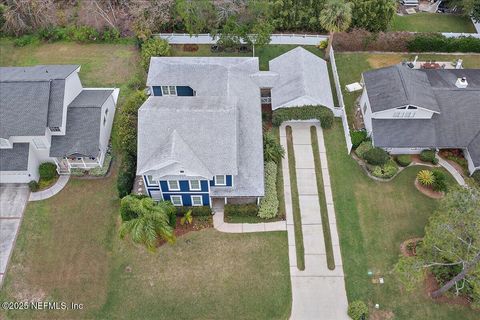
(323, 114)
(126, 175)
(268, 207)
(249, 209)
(434, 42)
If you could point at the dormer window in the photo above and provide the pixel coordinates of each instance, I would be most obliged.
(169, 91)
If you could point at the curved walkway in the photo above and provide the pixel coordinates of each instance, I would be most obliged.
(458, 177)
(222, 226)
(50, 192)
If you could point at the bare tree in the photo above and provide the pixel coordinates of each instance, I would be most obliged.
(23, 16)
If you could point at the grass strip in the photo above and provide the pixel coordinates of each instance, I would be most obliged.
(297, 218)
(327, 237)
(280, 191)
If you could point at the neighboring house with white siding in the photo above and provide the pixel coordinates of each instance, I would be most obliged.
(47, 116)
(409, 110)
(200, 131)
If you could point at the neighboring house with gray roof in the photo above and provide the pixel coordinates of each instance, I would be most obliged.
(47, 116)
(200, 131)
(409, 110)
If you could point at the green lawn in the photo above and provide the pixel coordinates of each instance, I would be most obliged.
(373, 219)
(68, 247)
(351, 65)
(432, 22)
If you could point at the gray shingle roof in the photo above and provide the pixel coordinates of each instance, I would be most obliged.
(14, 159)
(221, 125)
(31, 98)
(303, 79)
(457, 125)
(84, 118)
(23, 108)
(398, 86)
(37, 73)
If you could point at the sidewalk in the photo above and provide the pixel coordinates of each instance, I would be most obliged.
(222, 226)
(317, 292)
(50, 192)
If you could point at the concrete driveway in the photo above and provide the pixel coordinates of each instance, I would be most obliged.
(13, 199)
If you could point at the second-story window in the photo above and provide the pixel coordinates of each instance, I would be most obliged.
(173, 185)
(195, 185)
(169, 90)
(220, 180)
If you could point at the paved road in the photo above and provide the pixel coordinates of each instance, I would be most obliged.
(13, 198)
(317, 292)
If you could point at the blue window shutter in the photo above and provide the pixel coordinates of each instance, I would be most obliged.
(184, 91)
(157, 91)
(229, 180)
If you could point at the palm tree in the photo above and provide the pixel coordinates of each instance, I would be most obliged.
(151, 223)
(336, 16)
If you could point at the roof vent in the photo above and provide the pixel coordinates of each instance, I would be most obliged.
(461, 83)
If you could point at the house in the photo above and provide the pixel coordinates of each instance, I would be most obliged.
(200, 131)
(409, 110)
(47, 116)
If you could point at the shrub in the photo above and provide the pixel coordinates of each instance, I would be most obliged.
(83, 34)
(272, 150)
(428, 156)
(47, 170)
(323, 44)
(358, 310)
(33, 185)
(476, 176)
(268, 207)
(436, 42)
(323, 114)
(127, 127)
(53, 34)
(358, 137)
(126, 211)
(110, 34)
(26, 40)
(386, 171)
(439, 181)
(376, 156)
(426, 177)
(404, 160)
(126, 175)
(196, 211)
(154, 47)
(249, 209)
(363, 148)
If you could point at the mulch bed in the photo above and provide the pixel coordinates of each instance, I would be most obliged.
(428, 191)
(197, 225)
(431, 284)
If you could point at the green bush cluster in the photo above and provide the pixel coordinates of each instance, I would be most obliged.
(358, 137)
(323, 114)
(196, 211)
(440, 181)
(33, 185)
(127, 213)
(476, 177)
(268, 207)
(404, 160)
(47, 170)
(386, 171)
(127, 126)
(81, 34)
(126, 175)
(428, 156)
(358, 310)
(436, 42)
(272, 150)
(363, 148)
(154, 47)
(249, 209)
(376, 156)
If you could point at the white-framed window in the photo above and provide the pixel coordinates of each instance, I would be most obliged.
(195, 185)
(150, 180)
(169, 91)
(220, 180)
(176, 201)
(197, 201)
(173, 185)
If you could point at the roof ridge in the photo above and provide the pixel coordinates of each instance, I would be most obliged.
(403, 83)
